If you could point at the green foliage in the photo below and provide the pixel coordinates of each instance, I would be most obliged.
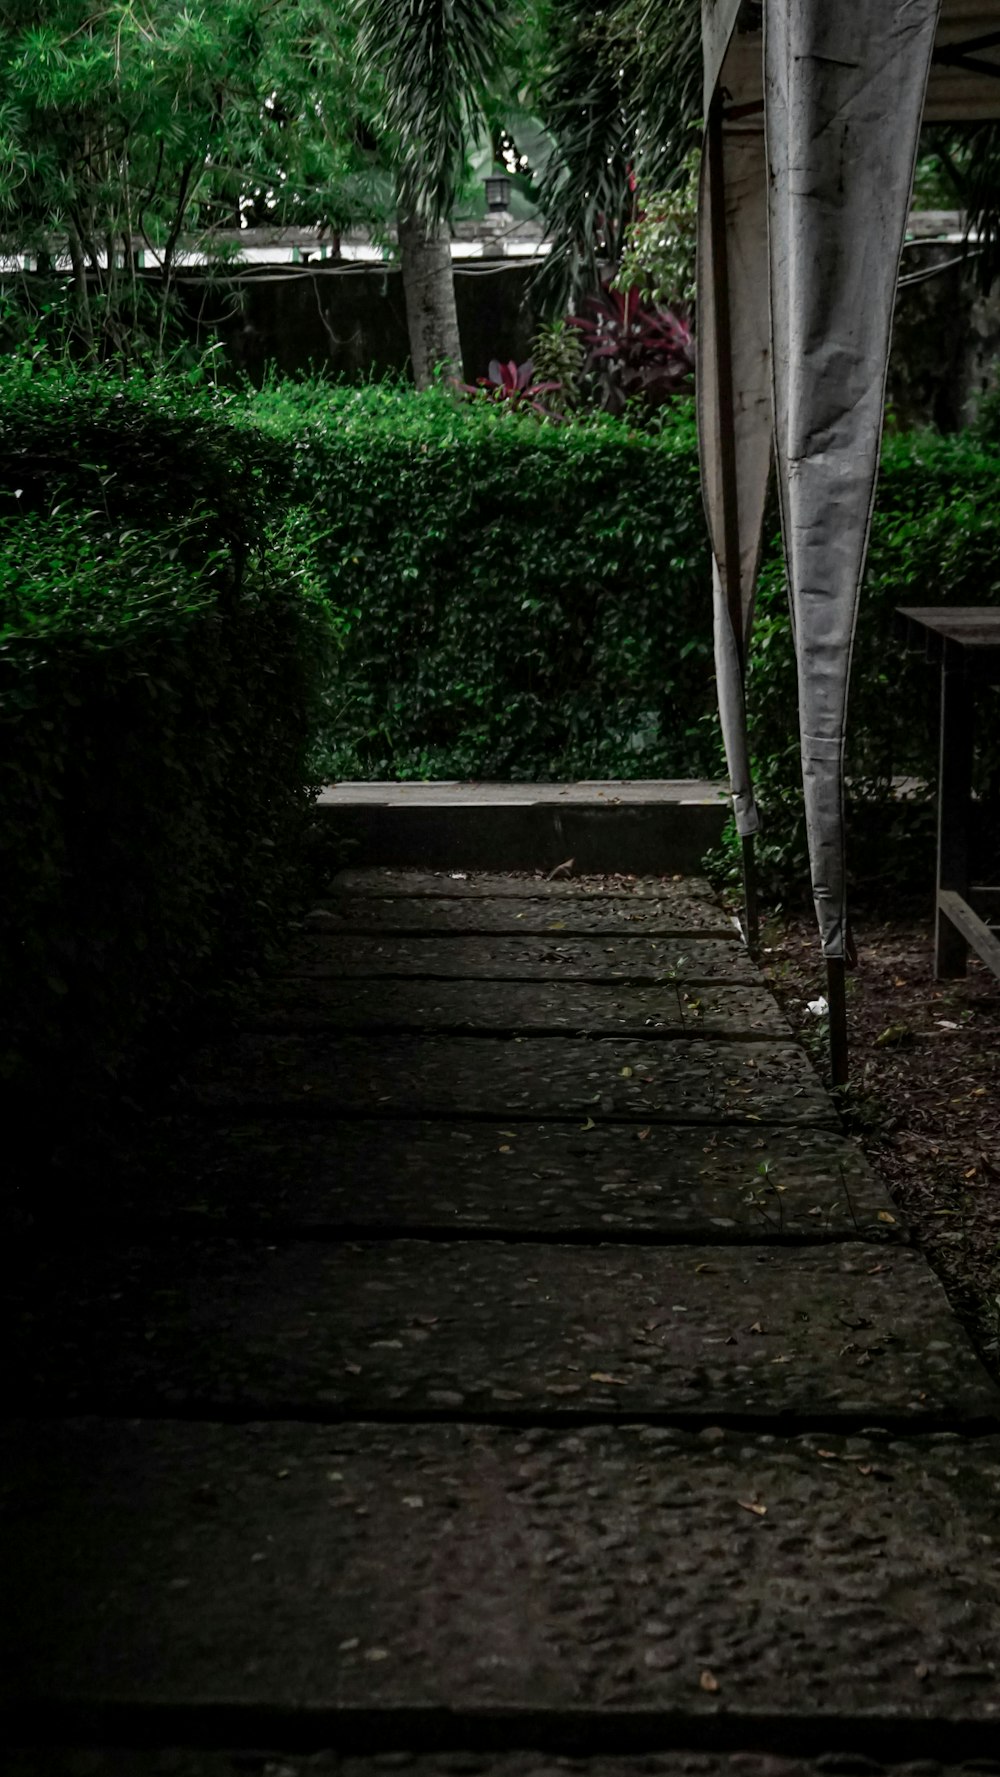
(527, 600)
(159, 669)
(659, 256)
(622, 98)
(131, 133)
(522, 599)
(557, 355)
(935, 541)
(436, 60)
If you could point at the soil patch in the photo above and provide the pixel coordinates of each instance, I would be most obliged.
(924, 1098)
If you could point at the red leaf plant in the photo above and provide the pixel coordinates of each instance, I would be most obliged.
(512, 383)
(633, 349)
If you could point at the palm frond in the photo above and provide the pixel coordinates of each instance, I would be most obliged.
(624, 101)
(436, 59)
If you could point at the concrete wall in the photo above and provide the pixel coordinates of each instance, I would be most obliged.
(946, 342)
(353, 323)
(946, 345)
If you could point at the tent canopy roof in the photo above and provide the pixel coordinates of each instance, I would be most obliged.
(964, 84)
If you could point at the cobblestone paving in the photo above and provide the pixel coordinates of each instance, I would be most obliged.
(497, 1362)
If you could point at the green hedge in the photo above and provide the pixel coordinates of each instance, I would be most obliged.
(521, 600)
(935, 541)
(532, 601)
(160, 663)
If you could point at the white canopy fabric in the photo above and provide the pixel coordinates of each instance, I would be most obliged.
(800, 232)
(743, 409)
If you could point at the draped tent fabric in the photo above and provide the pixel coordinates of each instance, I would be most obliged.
(811, 139)
(748, 418)
(742, 332)
(844, 93)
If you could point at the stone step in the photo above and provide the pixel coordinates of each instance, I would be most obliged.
(296, 1002)
(461, 884)
(389, 1579)
(558, 957)
(643, 1082)
(457, 1179)
(415, 1329)
(658, 827)
(413, 915)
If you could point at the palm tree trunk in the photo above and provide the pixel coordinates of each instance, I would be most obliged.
(429, 290)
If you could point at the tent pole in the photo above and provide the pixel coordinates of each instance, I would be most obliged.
(727, 455)
(750, 895)
(836, 996)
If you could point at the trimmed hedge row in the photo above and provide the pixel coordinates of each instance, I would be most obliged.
(935, 541)
(520, 600)
(532, 601)
(160, 665)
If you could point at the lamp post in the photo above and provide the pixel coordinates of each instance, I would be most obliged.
(497, 193)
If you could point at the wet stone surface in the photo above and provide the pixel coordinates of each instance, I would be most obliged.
(455, 1178)
(463, 884)
(538, 958)
(621, 915)
(488, 1328)
(183, 1762)
(571, 1008)
(813, 1577)
(698, 1081)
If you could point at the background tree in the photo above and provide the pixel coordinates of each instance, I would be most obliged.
(133, 128)
(621, 95)
(436, 61)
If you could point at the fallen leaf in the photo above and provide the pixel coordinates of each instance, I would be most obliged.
(602, 1376)
(353, 1369)
(590, 1124)
(756, 1328)
(703, 1267)
(754, 1505)
(828, 1455)
(505, 1148)
(627, 1073)
(643, 1135)
(708, 1681)
(884, 1216)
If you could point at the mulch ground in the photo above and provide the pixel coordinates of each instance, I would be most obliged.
(924, 1098)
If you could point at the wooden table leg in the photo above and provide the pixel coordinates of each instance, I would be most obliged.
(951, 949)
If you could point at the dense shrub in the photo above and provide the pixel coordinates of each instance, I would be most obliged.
(532, 601)
(523, 600)
(935, 541)
(159, 663)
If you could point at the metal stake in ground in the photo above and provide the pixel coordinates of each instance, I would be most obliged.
(730, 565)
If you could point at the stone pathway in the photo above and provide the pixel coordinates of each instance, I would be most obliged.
(498, 1362)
